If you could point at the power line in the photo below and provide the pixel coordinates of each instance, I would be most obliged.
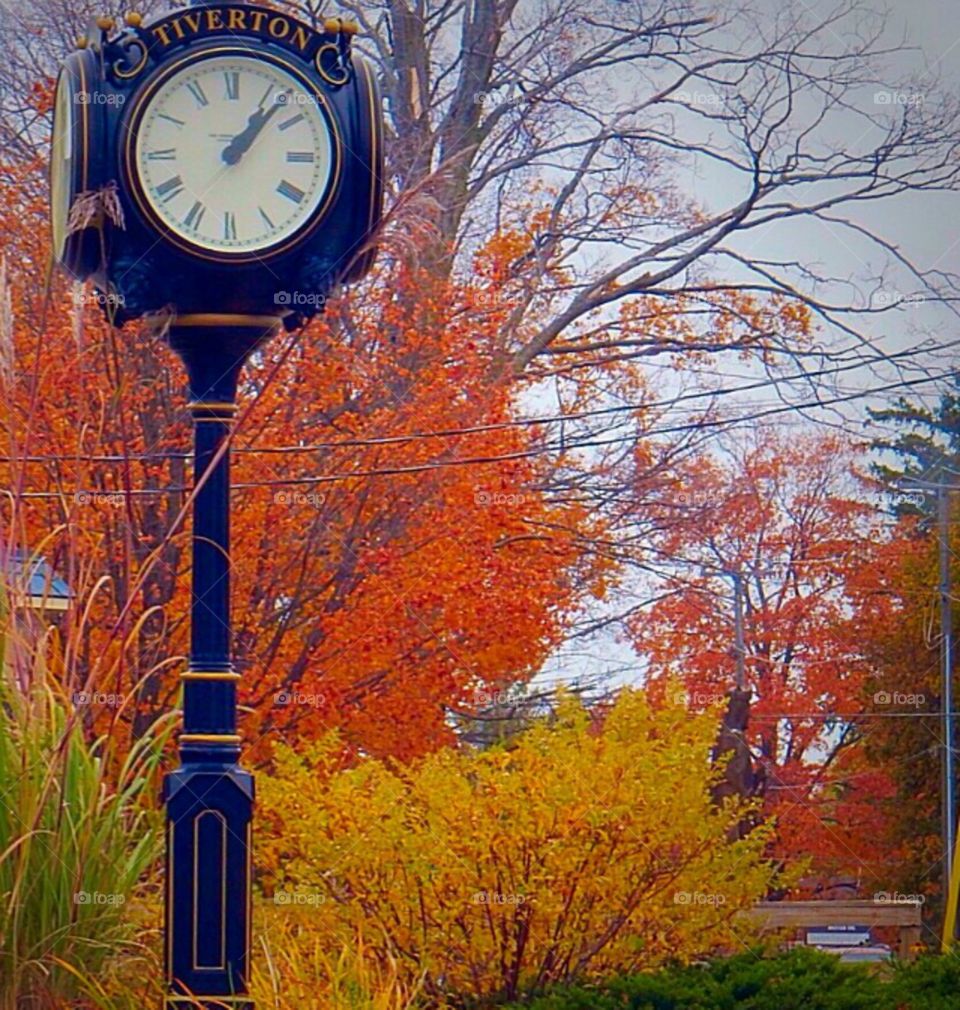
(550, 448)
(531, 421)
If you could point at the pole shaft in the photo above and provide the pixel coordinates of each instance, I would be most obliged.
(209, 798)
(946, 654)
(210, 702)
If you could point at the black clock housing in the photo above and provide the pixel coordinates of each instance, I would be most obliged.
(141, 267)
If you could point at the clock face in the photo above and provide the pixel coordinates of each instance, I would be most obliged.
(234, 155)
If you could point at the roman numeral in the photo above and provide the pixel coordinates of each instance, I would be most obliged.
(171, 188)
(266, 217)
(163, 154)
(198, 93)
(195, 216)
(290, 191)
(300, 157)
(170, 119)
(232, 80)
(287, 123)
(229, 225)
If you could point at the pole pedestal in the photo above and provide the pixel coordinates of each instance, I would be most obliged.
(209, 798)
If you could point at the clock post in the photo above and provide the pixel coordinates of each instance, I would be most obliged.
(220, 168)
(209, 798)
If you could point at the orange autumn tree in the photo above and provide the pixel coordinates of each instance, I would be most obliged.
(412, 576)
(381, 599)
(787, 513)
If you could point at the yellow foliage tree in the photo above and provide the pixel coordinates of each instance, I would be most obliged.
(581, 848)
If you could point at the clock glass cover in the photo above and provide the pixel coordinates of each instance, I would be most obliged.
(234, 155)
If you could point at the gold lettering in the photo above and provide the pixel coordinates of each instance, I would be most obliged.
(161, 32)
(300, 38)
(236, 20)
(257, 18)
(175, 25)
(279, 28)
(214, 20)
(193, 20)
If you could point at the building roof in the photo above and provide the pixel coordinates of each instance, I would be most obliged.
(31, 582)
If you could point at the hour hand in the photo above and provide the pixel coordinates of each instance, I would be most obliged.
(241, 143)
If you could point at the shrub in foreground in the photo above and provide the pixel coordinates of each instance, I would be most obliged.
(802, 979)
(75, 840)
(576, 852)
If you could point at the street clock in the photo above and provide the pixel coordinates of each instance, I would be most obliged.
(222, 166)
(216, 160)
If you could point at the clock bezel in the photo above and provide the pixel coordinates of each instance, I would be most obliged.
(134, 117)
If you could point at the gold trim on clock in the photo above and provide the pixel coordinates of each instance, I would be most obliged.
(131, 123)
(136, 70)
(198, 675)
(227, 738)
(322, 70)
(226, 408)
(224, 319)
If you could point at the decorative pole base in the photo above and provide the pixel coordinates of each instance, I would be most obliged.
(208, 899)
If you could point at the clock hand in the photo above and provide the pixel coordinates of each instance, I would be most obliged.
(242, 142)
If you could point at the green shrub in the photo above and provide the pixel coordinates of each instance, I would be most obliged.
(931, 983)
(800, 980)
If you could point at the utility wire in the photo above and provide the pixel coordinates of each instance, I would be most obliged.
(540, 450)
(353, 443)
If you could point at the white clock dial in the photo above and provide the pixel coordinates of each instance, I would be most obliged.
(234, 154)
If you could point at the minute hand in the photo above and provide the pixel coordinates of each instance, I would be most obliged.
(240, 144)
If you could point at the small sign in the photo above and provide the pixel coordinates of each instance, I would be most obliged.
(838, 936)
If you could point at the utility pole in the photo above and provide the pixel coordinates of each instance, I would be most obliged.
(946, 656)
(740, 646)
